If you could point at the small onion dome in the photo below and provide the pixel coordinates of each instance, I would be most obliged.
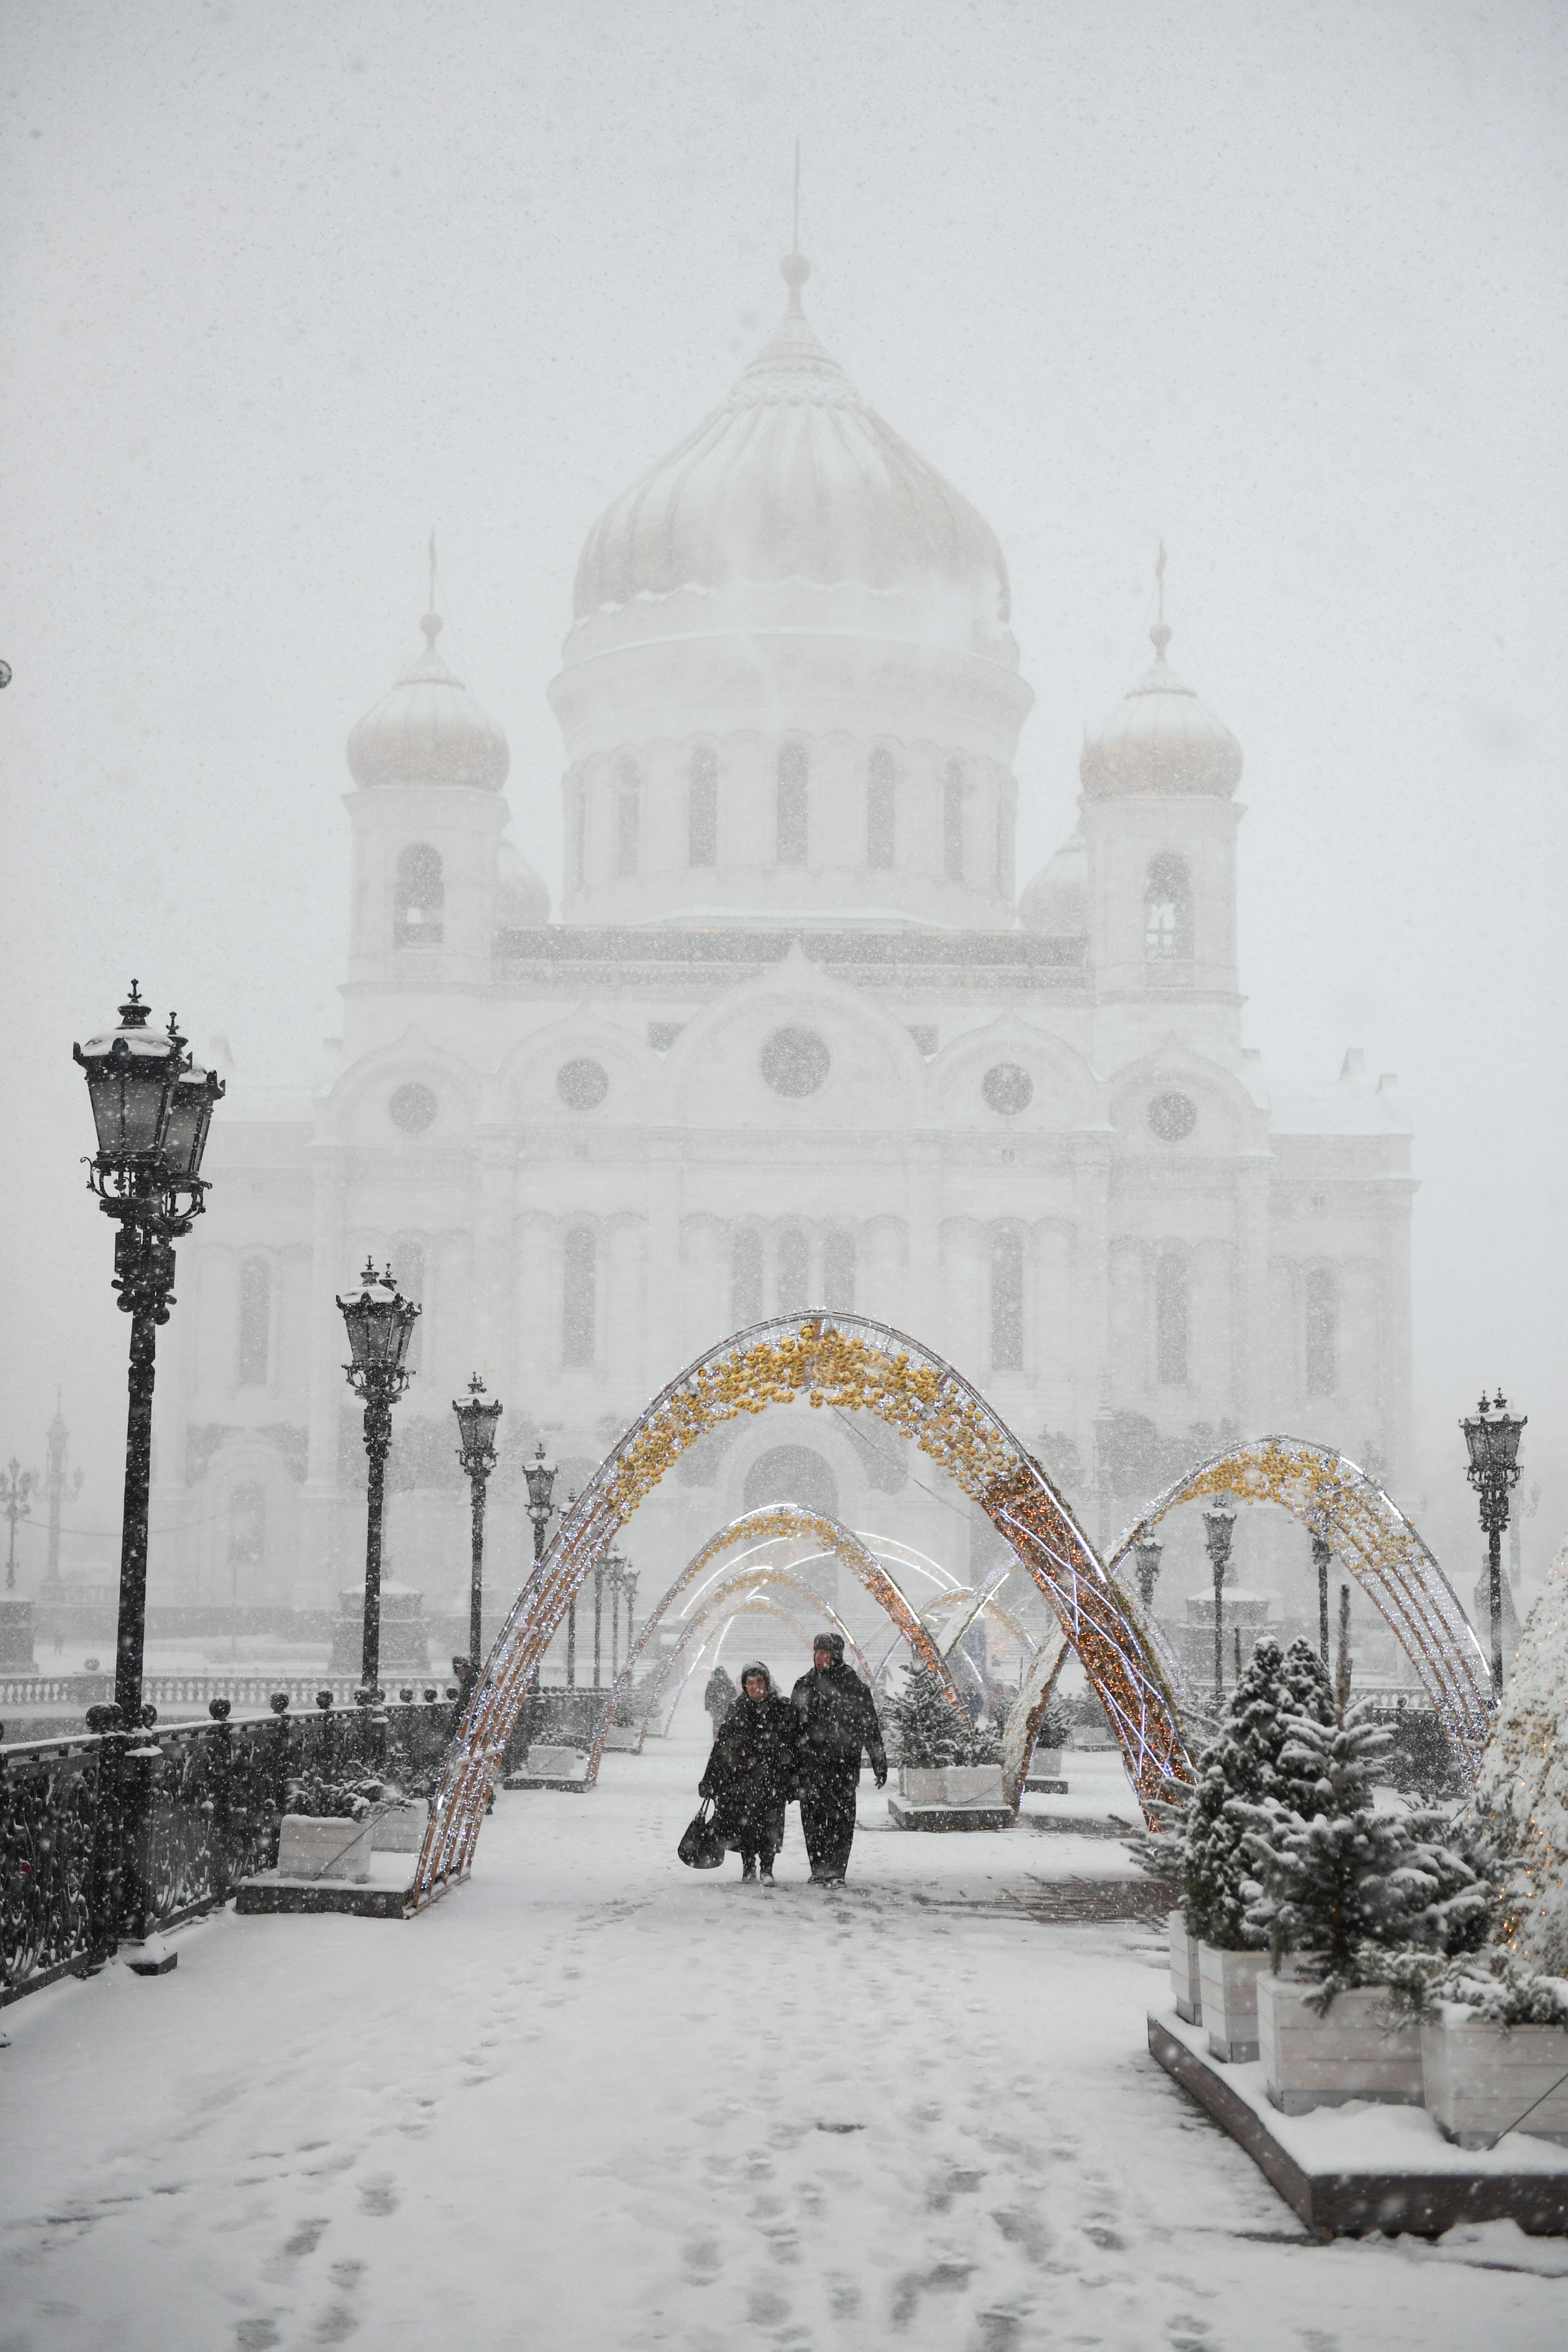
(794, 477)
(1161, 738)
(523, 895)
(1057, 897)
(428, 730)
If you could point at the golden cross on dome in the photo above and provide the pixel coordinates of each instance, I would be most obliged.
(1160, 579)
(794, 241)
(431, 606)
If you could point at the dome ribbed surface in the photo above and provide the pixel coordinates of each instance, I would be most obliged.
(794, 477)
(428, 730)
(1161, 738)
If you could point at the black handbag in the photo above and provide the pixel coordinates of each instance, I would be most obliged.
(701, 1848)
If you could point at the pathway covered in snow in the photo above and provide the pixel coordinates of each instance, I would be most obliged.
(593, 2100)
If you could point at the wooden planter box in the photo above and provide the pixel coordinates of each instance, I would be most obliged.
(554, 1764)
(401, 1829)
(1228, 1998)
(622, 1739)
(1186, 1989)
(923, 1785)
(309, 1847)
(1481, 2079)
(1321, 2061)
(973, 1784)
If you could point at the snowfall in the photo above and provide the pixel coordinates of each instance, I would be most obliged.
(592, 2099)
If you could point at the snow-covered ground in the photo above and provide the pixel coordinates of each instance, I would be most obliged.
(594, 2100)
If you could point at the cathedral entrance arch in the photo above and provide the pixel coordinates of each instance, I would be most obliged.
(793, 1474)
(849, 1363)
(1329, 1495)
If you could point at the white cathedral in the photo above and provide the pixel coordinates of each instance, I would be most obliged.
(796, 1038)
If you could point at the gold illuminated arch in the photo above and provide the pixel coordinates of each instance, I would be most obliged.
(1327, 1494)
(845, 1364)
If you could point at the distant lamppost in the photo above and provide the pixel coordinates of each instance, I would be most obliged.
(379, 1332)
(14, 1488)
(541, 1476)
(600, 1566)
(1219, 1525)
(572, 1627)
(56, 1485)
(1147, 1553)
(152, 1106)
(1323, 1556)
(1493, 1441)
(476, 1452)
(629, 1585)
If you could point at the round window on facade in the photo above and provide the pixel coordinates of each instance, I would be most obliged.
(1172, 1117)
(412, 1108)
(582, 1085)
(1007, 1089)
(795, 1062)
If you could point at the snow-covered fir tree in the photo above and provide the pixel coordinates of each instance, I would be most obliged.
(926, 1730)
(1241, 1768)
(1519, 1804)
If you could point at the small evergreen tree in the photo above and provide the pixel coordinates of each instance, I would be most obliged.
(1240, 1770)
(927, 1731)
(1519, 1804)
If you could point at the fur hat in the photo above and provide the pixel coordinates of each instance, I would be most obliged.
(834, 1641)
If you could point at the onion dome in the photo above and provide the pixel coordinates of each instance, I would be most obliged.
(428, 730)
(1058, 899)
(523, 895)
(1161, 738)
(795, 478)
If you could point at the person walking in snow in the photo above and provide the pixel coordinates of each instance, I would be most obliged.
(718, 1698)
(835, 1722)
(751, 1773)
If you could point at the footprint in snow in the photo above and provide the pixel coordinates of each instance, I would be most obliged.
(378, 2194)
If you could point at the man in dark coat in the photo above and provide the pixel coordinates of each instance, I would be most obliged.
(751, 1772)
(837, 1722)
(718, 1697)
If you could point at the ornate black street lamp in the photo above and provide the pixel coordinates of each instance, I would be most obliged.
(541, 1476)
(1493, 1440)
(379, 1332)
(476, 1452)
(1323, 1555)
(616, 1579)
(572, 1627)
(14, 1488)
(1146, 1553)
(629, 1586)
(152, 1106)
(1219, 1525)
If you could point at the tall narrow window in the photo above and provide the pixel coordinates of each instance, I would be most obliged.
(246, 1527)
(952, 822)
(838, 1272)
(881, 836)
(794, 1271)
(793, 788)
(1168, 909)
(255, 1349)
(579, 1301)
(628, 819)
(1008, 1301)
(1321, 1330)
(1172, 1317)
(579, 834)
(746, 1277)
(408, 1265)
(420, 900)
(702, 808)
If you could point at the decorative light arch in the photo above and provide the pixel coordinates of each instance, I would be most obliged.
(847, 1364)
(774, 1523)
(1327, 1494)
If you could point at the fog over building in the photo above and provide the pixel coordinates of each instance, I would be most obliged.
(797, 1036)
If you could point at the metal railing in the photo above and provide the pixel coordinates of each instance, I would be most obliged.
(21, 1692)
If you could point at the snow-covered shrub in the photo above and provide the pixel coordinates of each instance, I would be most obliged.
(1243, 1768)
(321, 1798)
(632, 1705)
(1520, 1804)
(925, 1730)
(1500, 1990)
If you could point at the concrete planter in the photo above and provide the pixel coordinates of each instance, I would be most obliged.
(554, 1763)
(1186, 1989)
(311, 1847)
(622, 1739)
(1481, 2079)
(973, 1784)
(921, 1786)
(1228, 1998)
(1321, 2061)
(401, 1829)
(1046, 1762)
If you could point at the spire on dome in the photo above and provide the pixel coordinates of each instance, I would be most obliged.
(1162, 739)
(429, 729)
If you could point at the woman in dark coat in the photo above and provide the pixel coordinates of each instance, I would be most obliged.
(751, 1773)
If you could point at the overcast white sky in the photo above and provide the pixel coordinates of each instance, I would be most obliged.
(284, 285)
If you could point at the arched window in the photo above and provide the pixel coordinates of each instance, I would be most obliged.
(421, 897)
(793, 788)
(702, 808)
(880, 820)
(1168, 909)
(253, 1354)
(1008, 1301)
(1172, 1317)
(579, 1297)
(408, 1268)
(1320, 1330)
(794, 1271)
(952, 822)
(838, 1272)
(746, 1277)
(792, 1474)
(248, 1525)
(579, 834)
(628, 819)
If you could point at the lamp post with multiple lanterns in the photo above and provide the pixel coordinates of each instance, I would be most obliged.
(1146, 1553)
(1219, 1526)
(1492, 1435)
(379, 1332)
(476, 1452)
(152, 1106)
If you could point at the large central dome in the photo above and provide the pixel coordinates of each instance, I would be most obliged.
(794, 479)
